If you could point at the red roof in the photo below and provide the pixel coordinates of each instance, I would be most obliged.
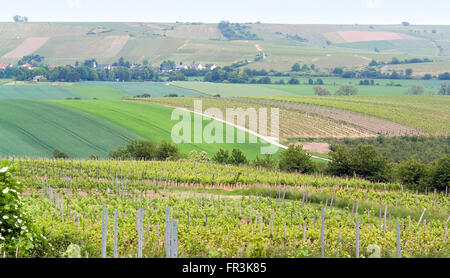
(4, 66)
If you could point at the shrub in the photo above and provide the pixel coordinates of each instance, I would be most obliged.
(267, 161)
(441, 173)
(237, 157)
(222, 156)
(413, 174)
(320, 91)
(346, 90)
(168, 150)
(415, 90)
(59, 154)
(362, 160)
(16, 228)
(295, 159)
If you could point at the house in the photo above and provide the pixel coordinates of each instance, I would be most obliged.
(38, 78)
(196, 66)
(26, 66)
(181, 66)
(166, 69)
(210, 66)
(104, 66)
(4, 66)
(52, 67)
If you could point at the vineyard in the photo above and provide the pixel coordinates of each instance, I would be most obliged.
(225, 211)
(422, 114)
(298, 120)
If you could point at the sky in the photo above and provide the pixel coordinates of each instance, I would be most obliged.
(432, 12)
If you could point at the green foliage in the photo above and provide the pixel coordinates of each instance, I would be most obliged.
(413, 174)
(441, 173)
(444, 89)
(168, 150)
(295, 159)
(236, 31)
(34, 60)
(320, 91)
(415, 90)
(362, 160)
(147, 150)
(59, 154)
(222, 156)
(346, 90)
(73, 251)
(16, 228)
(424, 149)
(267, 161)
(237, 157)
(296, 67)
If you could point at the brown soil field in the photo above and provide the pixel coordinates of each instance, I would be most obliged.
(359, 36)
(27, 47)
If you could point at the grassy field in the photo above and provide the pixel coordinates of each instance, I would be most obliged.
(98, 92)
(429, 114)
(332, 84)
(155, 89)
(153, 122)
(36, 128)
(37, 92)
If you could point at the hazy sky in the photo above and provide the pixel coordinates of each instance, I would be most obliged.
(268, 11)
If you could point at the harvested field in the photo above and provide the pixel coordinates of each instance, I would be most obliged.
(116, 43)
(27, 47)
(360, 36)
(315, 147)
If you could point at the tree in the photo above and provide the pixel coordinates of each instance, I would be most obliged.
(413, 174)
(59, 154)
(362, 160)
(408, 72)
(237, 157)
(320, 91)
(415, 90)
(441, 173)
(168, 150)
(295, 67)
(142, 149)
(222, 156)
(267, 161)
(346, 90)
(294, 81)
(445, 89)
(296, 159)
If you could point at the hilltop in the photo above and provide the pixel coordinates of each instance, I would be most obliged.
(257, 45)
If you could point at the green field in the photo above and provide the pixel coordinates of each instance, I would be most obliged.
(36, 128)
(429, 114)
(155, 89)
(98, 92)
(153, 122)
(332, 84)
(36, 92)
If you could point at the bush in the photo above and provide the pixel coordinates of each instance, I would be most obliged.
(16, 229)
(320, 91)
(237, 157)
(59, 154)
(415, 90)
(147, 150)
(362, 160)
(265, 162)
(222, 156)
(441, 173)
(413, 174)
(346, 90)
(295, 159)
(168, 150)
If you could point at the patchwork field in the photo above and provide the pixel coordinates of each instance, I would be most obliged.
(98, 92)
(326, 46)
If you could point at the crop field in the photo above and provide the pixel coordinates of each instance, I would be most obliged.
(98, 92)
(37, 92)
(36, 128)
(153, 122)
(332, 84)
(292, 124)
(155, 89)
(429, 114)
(256, 214)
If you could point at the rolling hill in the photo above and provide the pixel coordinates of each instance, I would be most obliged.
(326, 46)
